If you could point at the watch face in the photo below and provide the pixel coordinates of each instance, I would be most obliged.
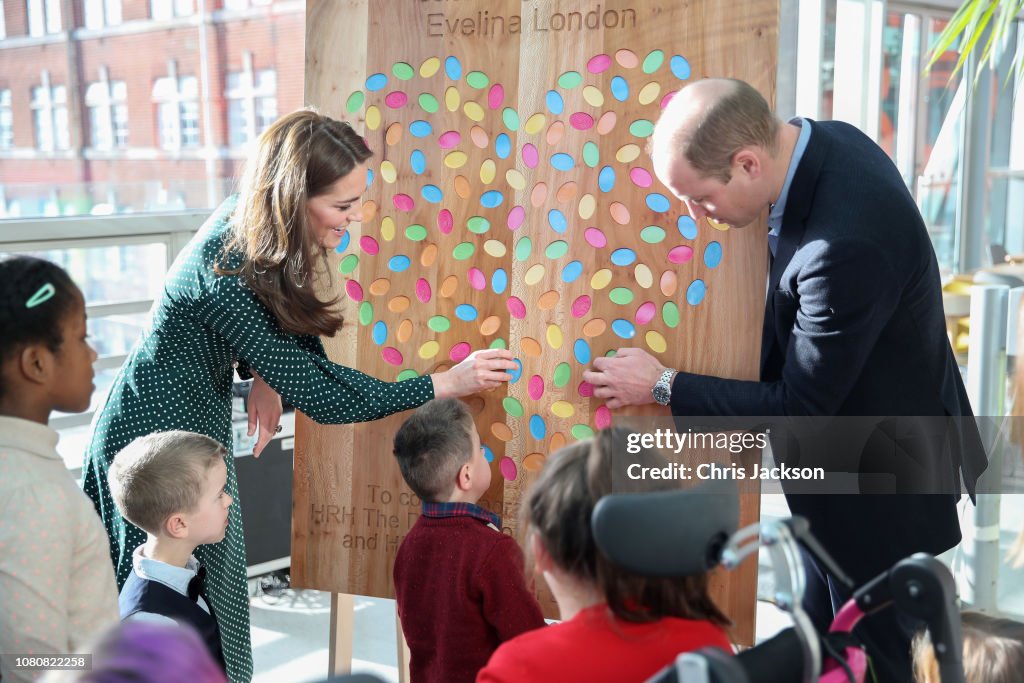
(661, 393)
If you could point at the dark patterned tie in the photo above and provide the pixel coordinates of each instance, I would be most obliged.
(196, 586)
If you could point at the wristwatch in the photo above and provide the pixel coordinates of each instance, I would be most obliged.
(662, 390)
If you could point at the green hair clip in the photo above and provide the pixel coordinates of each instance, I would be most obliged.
(42, 295)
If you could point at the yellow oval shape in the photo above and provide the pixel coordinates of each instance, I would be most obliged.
(495, 248)
(429, 67)
(594, 327)
(593, 96)
(448, 287)
(515, 179)
(452, 98)
(627, 153)
(487, 171)
(380, 286)
(429, 349)
(534, 274)
(716, 225)
(601, 279)
(555, 337)
(372, 117)
(474, 111)
(649, 92)
(398, 304)
(455, 159)
(387, 228)
(388, 172)
(428, 256)
(644, 276)
(535, 123)
(563, 409)
(656, 342)
(587, 206)
(490, 325)
(462, 187)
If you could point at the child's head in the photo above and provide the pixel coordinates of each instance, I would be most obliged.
(993, 651)
(45, 360)
(438, 451)
(172, 485)
(556, 514)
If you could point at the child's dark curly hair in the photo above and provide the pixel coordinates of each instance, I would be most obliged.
(24, 279)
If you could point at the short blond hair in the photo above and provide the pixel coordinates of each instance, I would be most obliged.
(158, 475)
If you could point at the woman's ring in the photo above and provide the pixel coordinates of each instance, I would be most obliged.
(278, 429)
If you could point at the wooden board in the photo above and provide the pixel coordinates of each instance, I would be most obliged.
(497, 124)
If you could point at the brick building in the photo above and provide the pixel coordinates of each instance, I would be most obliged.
(138, 105)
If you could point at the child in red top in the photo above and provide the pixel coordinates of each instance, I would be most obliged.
(458, 580)
(616, 627)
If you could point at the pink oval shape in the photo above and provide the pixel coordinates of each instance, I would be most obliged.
(449, 139)
(641, 177)
(585, 390)
(535, 387)
(459, 352)
(396, 99)
(602, 417)
(530, 156)
(516, 217)
(645, 313)
(403, 202)
(606, 122)
(599, 63)
(668, 98)
(581, 120)
(391, 355)
(445, 222)
(477, 280)
(680, 254)
(354, 290)
(495, 96)
(423, 290)
(508, 468)
(369, 245)
(580, 306)
(595, 238)
(516, 307)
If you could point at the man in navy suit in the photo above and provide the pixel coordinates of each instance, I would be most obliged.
(853, 325)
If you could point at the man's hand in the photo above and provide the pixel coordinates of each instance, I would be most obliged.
(264, 413)
(625, 379)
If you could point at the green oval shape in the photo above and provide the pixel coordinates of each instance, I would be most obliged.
(355, 102)
(348, 264)
(591, 155)
(365, 313)
(478, 225)
(557, 249)
(429, 103)
(621, 296)
(653, 61)
(610, 354)
(670, 314)
(570, 79)
(652, 234)
(580, 432)
(408, 373)
(439, 323)
(463, 251)
(510, 117)
(563, 373)
(477, 79)
(403, 71)
(523, 249)
(512, 406)
(415, 232)
(641, 128)
(498, 343)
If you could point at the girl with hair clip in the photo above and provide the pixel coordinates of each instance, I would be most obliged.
(616, 626)
(56, 584)
(242, 295)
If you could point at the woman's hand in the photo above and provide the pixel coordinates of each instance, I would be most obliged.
(479, 371)
(264, 413)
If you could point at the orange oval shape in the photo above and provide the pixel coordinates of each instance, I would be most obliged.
(534, 462)
(393, 135)
(530, 346)
(462, 186)
(668, 283)
(479, 137)
(566, 192)
(490, 325)
(555, 131)
(404, 330)
(369, 211)
(594, 327)
(548, 300)
(501, 431)
(539, 194)
(606, 122)
(619, 213)
(428, 256)
(556, 442)
(448, 287)
(398, 304)
(380, 286)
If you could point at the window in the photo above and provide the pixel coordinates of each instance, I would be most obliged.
(252, 102)
(108, 112)
(169, 9)
(43, 17)
(6, 120)
(177, 102)
(3, 21)
(50, 113)
(100, 13)
(244, 4)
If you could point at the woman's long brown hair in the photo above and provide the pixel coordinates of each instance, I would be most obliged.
(299, 157)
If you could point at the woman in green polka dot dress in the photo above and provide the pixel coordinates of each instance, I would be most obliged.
(241, 295)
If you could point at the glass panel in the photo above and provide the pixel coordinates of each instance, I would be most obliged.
(114, 335)
(238, 132)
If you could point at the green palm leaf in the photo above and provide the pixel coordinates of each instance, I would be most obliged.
(965, 30)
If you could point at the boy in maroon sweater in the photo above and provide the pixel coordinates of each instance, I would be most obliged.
(458, 580)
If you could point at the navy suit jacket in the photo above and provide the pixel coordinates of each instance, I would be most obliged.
(854, 326)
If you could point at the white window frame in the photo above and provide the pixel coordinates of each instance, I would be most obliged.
(50, 115)
(251, 100)
(171, 9)
(43, 17)
(107, 102)
(6, 117)
(101, 13)
(177, 111)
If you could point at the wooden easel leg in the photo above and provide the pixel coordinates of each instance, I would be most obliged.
(403, 650)
(339, 648)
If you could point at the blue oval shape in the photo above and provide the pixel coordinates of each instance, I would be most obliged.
(418, 162)
(432, 193)
(695, 292)
(538, 430)
(465, 312)
(488, 453)
(396, 264)
(420, 128)
(623, 328)
(515, 374)
(657, 202)
(687, 227)
(554, 101)
(380, 332)
(623, 257)
(376, 82)
(346, 239)
(491, 199)
(499, 281)
(556, 219)
(562, 162)
(502, 146)
(369, 176)
(713, 255)
(606, 179)
(453, 68)
(620, 89)
(581, 350)
(572, 271)
(680, 67)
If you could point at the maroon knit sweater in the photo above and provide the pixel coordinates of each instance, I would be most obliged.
(461, 593)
